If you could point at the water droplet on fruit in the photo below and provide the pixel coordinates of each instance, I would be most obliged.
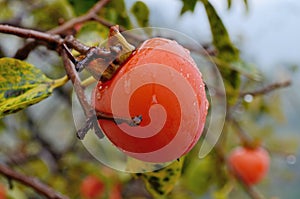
(98, 96)
(206, 105)
(171, 73)
(153, 75)
(127, 85)
(154, 99)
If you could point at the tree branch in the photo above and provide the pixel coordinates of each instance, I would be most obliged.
(250, 190)
(88, 16)
(52, 41)
(28, 33)
(61, 46)
(244, 137)
(267, 89)
(105, 22)
(34, 183)
(75, 44)
(76, 81)
(221, 157)
(23, 52)
(58, 44)
(79, 90)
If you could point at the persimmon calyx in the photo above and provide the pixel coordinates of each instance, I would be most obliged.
(103, 63)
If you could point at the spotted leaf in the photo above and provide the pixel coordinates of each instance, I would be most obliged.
(22, 84)
(159, 182)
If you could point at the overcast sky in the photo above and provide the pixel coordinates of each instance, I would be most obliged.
(269, 34)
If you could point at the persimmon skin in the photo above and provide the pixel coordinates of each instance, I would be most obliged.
(251, 165)
(161, 82)
(92, 187)
(2, 192)
(115, 192)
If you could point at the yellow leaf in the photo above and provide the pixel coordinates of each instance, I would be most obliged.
(22, 84)
(159, 182)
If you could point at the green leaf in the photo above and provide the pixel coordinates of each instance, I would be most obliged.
(92, 33)
(247, 69)
(221, 40)
(188, 5)
(6, 11)
(47, 15)
(22, 84)
(80, 7)
(229, 3)
(115, 12)
(246, 4)
(162, 181)
(224, 192)
(199, 175)
(227, 52)
(141, 13)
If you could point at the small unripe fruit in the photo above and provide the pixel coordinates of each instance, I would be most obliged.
(251, 165)
(115, 192)
(92, 188)
(2, 192)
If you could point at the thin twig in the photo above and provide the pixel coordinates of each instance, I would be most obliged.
(79, 90)
(74, 77)
(50, 40)
(244, 137)
(23, 52)
(106, 23)
(28, 33)
(250, 190)
(221, 157)
(71, 64)
(72, 42)
(267, 89)
(253, 193)
(20, 158)
(34, 183)
(88, 16)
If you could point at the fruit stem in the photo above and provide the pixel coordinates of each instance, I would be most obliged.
(134, 121)
(114, 32)
(59, 82)
(246, 140)
(90, 80)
